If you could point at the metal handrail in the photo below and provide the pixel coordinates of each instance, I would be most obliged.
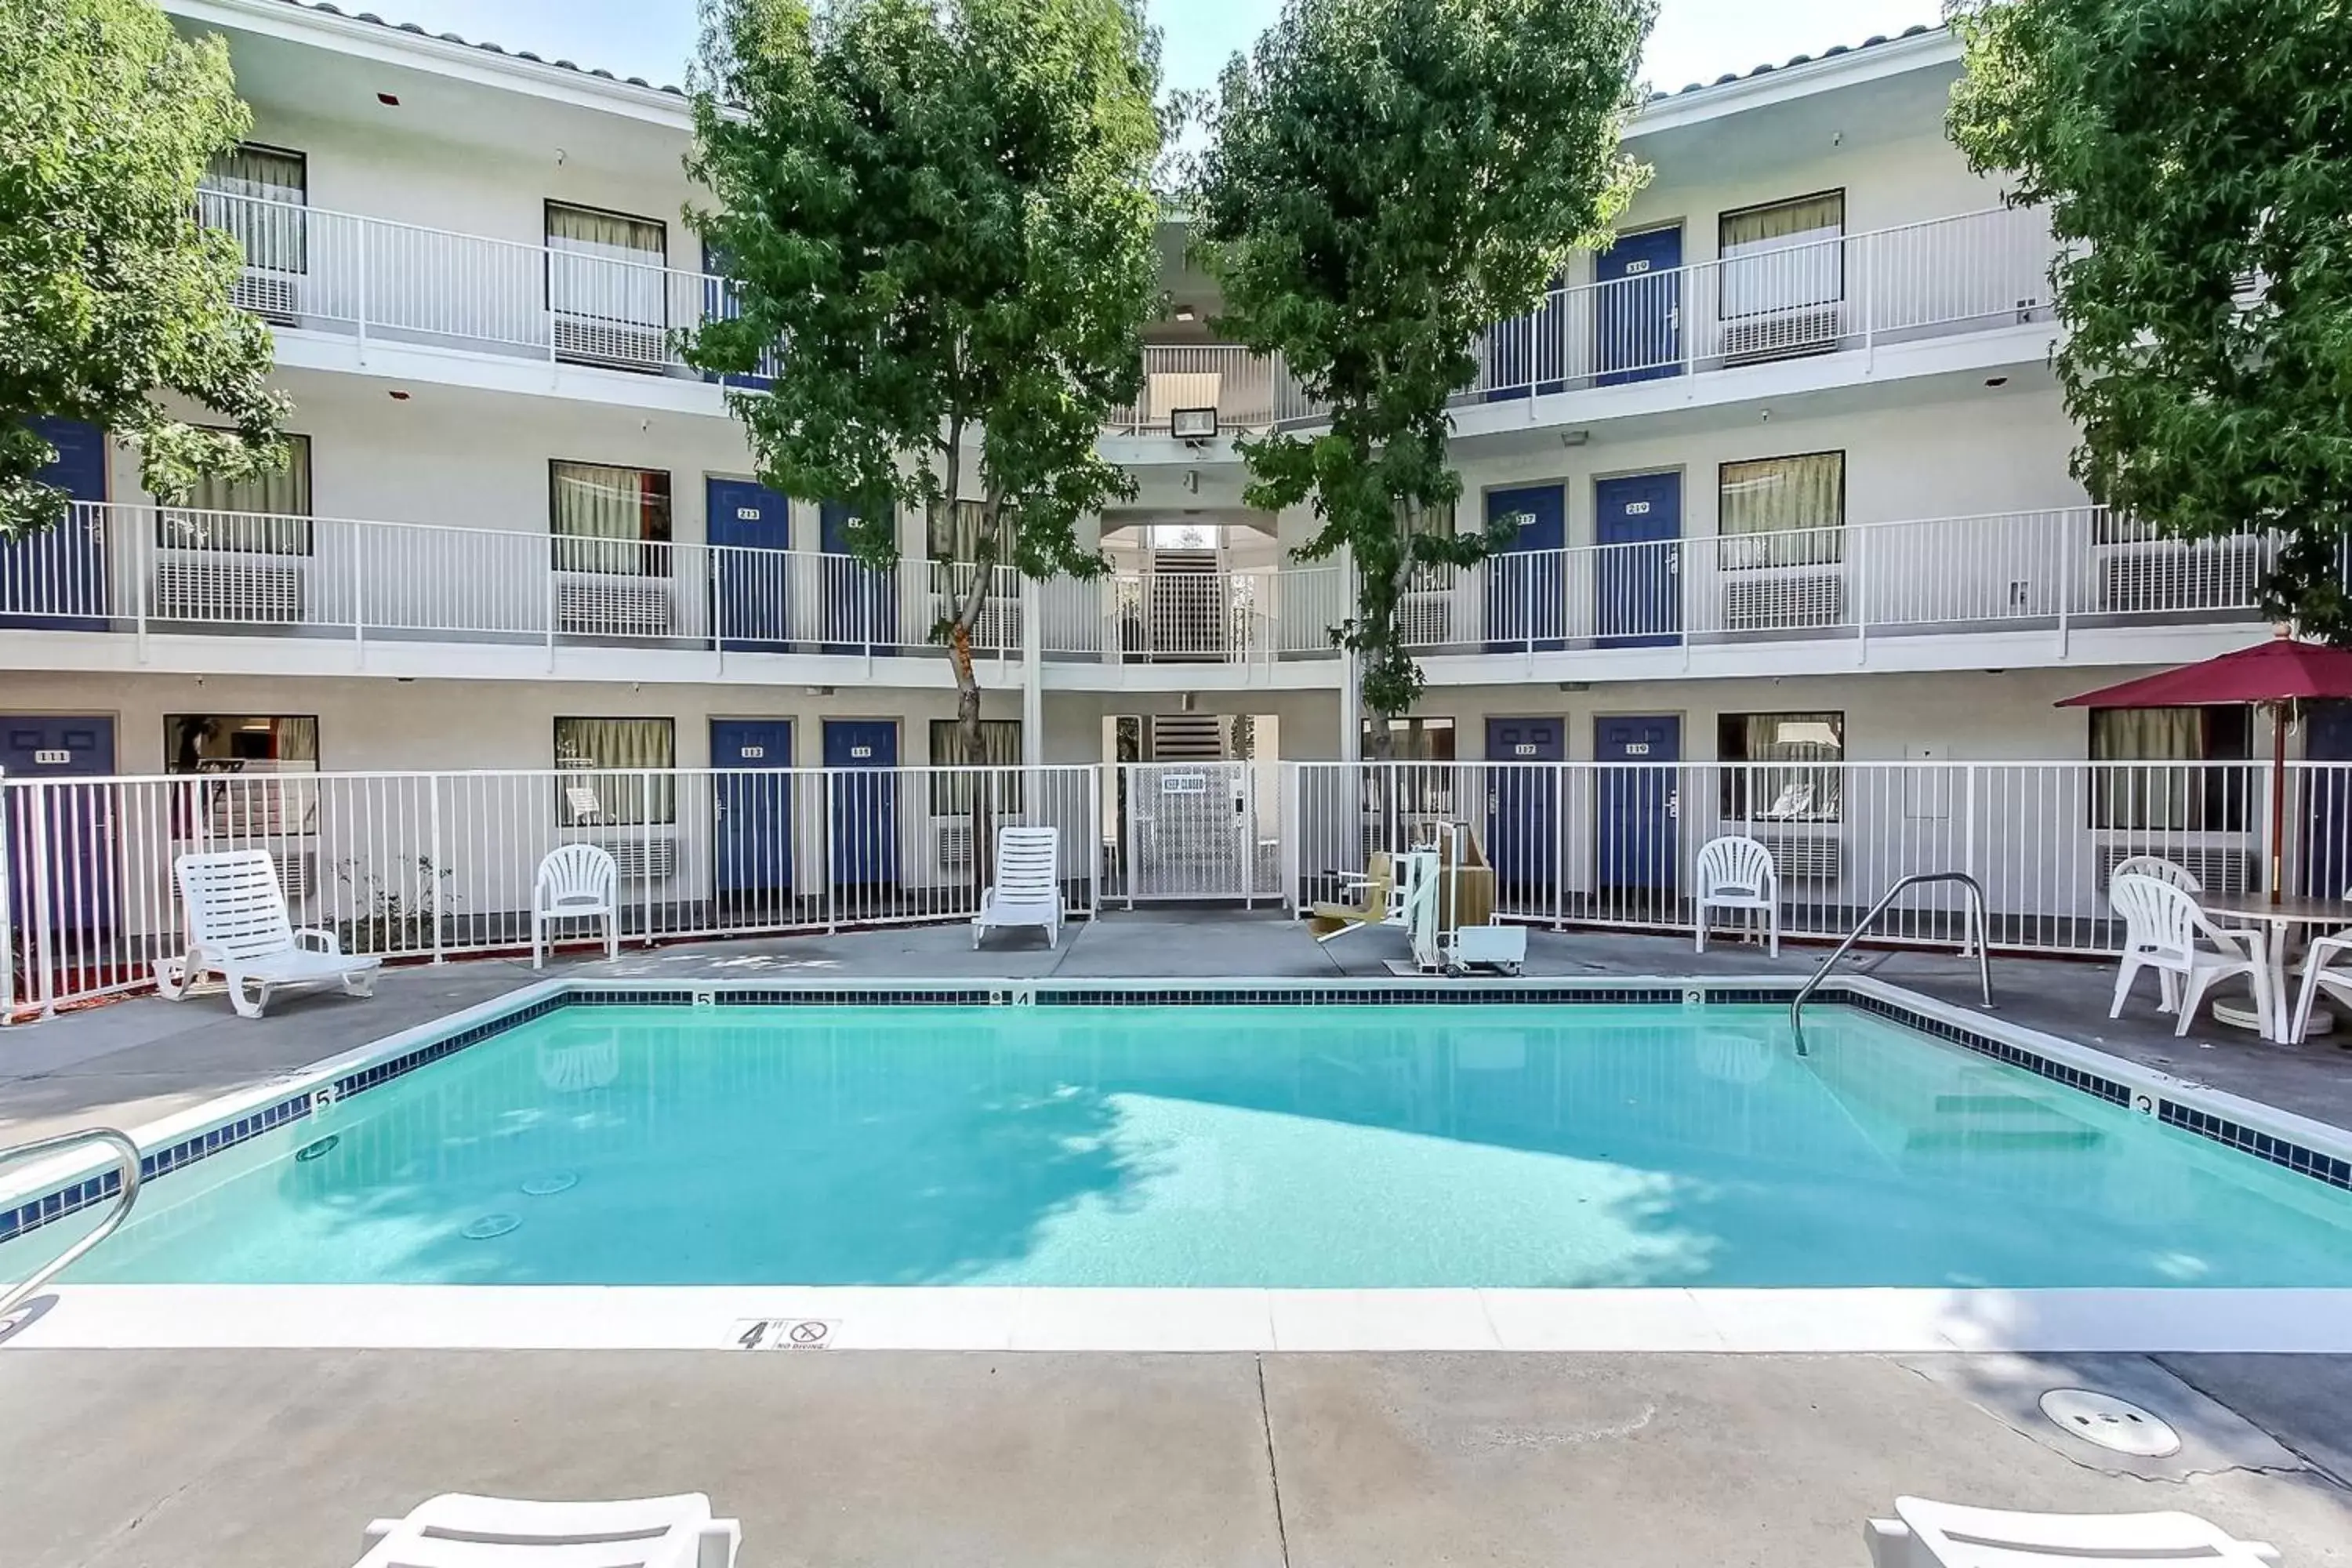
(128, 1193)
(1982, 933)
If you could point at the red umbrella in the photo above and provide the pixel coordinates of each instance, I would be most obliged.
(2278, 672)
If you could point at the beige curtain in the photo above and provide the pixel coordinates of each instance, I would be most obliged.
(955, 531)
(1794, 771)
(1783, 511)
(2158, 796)
(1000, 747)
(607, 267)
(1783, 257)
(609, 519)
(254, 193)
(266, 515)
(595, 787)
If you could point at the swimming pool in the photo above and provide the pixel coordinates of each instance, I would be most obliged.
(1493, 1147)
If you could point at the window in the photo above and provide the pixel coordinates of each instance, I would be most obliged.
(954, 532)
(1782, 511)
(607, 519)
(1783, 255)
(255, 751)
(615, 772)
(2170, 792)
(268, 514)
(1781, 767)
(1414, 518)
(258, 195)
(1000, 747)
(606, 266)
(1422, 790)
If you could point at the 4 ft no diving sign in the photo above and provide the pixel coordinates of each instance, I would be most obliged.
(786, 1334)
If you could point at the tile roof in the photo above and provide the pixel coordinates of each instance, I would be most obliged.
(1728, 76)
(322, 5)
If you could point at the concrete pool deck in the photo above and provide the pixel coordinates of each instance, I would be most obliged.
(253, 1459)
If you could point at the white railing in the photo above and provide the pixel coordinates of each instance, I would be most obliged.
(1237, 615)
(426, 865)
(1249, 390)
(149, 569)
(338, 272)
(2059, 569)
(432, 865)
(1970, 273)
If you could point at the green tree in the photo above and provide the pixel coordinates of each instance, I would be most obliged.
(938, 215)
(1385, 179)
(109, 290)
(2195, 160)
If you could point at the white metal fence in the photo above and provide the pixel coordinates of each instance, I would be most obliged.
(434, 865)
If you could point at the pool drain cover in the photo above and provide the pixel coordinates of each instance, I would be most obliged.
(547, 1186)
(491, 1225)
(309, 1152)
(2111, 1423)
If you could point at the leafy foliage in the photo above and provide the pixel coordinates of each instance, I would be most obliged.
(1388, 178)
(2196, 158)
(941, 215)
(109, 290)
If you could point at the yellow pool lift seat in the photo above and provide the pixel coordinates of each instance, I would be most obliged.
(1376, 903)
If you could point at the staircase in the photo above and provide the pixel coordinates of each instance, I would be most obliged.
(1184, 606)
(1975, 1122)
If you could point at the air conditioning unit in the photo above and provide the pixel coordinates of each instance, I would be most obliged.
(2217, 870)
(1812, 859)
(277, 296)
(1783, 600)
(297, 873)
(2179, 574)
(191, 589)
(611, 604)
(951, 843)
(643, 859)
(1426, 618)
(601, 339)
(1778, 334)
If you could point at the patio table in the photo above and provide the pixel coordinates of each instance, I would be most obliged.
(2255, 909)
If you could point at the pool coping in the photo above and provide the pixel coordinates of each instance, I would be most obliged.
(1109, 1318)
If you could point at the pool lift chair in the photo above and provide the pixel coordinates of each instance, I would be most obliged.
(1450, 909)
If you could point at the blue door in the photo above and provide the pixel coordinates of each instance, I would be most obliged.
(860, 607)
(754, 836)
(865, 800)
(1529, 352)
(1527, 598)
(1636, 585)
(1641, 844)
(1637, 324)
(1522, 800)
(751, 585)
(718, 304)
(2328, 836)
(75, 852)
(56, 579)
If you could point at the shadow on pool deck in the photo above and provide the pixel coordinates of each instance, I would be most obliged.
(134, 1060)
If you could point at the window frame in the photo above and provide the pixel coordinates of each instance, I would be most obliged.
(652, 554)
(2114, 806)
(951, 793)
(1824, 546)
(1725, 260)
(549, 206)
(256, 809)
(1734, 798)
(303, 536)
(659, 810)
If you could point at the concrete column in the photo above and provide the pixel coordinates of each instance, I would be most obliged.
(1032, 677)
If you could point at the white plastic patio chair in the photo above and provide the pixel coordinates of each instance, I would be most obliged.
(238, 929)
(2161, 925)
(459, 1531)
(1925, 1534)
(1028, 887)
(1738, 873)
(2181, 876)
(2322, 973)
(576, 882)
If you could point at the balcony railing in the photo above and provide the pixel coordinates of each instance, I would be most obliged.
(2065, 569)
(1242, 616)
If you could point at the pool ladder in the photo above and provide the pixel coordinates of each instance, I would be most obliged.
(127, 1156)
(1979, 929)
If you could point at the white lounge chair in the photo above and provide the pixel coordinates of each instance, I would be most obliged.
(238, 928)
(1738, 873)
(1925, 1534)
(2161, 925)
(1028, 887)
(576, 882)
(457, 1531)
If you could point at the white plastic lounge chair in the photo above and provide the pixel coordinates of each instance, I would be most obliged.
(576, 882)
(1925, 1534)
(456, 1530)
(1028, 887)
(1738, 873)
(238, 928)
(2161, 925)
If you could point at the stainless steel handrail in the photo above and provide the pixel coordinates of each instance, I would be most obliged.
(1976, 907)
(129, 1194)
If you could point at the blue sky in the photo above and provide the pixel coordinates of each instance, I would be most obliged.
(1695, 40)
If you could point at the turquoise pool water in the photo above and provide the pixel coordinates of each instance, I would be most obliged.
(1234, 1146)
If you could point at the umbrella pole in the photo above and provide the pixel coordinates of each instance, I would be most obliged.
(2278, 800)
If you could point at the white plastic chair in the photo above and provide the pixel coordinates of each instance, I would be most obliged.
(1738, 873)
(2320, 974)
(1028, 887)
(459, 1531)
(238, 929)
(2181, 876)
(1925, 1534)
(576, 882)
(2161, 925)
